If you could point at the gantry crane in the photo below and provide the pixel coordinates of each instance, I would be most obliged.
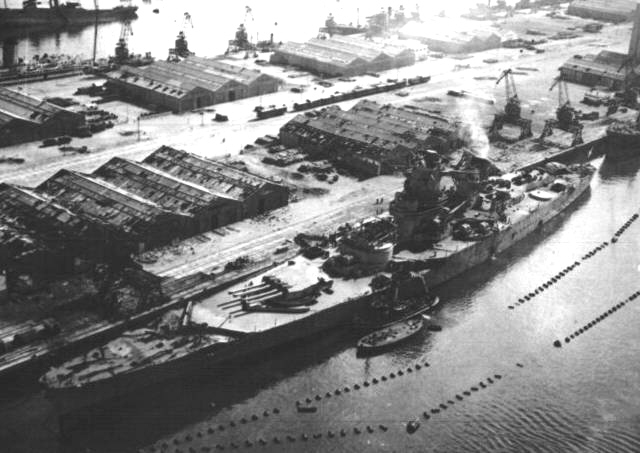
(566, 116)
(512, 109)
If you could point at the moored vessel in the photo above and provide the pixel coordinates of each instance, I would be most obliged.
(387, 337)
(65, 14)
(623, 139)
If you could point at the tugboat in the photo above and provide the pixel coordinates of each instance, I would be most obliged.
(389, 336)
(623, 139)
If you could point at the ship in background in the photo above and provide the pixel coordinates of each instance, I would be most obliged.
(62, 15)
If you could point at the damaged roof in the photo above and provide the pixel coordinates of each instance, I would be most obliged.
(16, 105)
(221, 179)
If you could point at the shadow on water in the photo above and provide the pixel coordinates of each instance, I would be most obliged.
(169, 407)
(611, 169)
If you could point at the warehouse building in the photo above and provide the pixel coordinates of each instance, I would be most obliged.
(344, 55)
(451, 36)
(191, 83)
(370, 139)
(24, 118)
(608, 10)
(614, 70)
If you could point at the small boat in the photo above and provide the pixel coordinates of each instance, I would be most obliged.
(307, 409)
(391, 335)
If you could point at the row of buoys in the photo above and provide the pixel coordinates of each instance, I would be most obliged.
(602, 317)
(546, 285)
(444, 406)
(276, 440)
(595, 250)
(211, 430)
(347, 389)
(624, 227)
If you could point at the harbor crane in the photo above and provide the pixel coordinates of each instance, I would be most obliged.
(122, 47)
(181, 49)
(512, 110)
(566, 116)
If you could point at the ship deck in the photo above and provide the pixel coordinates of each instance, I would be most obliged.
(224, 309)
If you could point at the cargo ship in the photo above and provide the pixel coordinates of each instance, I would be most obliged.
(623, 139)
(58, 15)
(438, 233)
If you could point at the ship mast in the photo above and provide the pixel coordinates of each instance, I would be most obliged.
(95, 35)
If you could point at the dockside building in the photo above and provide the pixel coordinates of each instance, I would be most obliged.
(344, 55)
(124, 207)
(191, 83)
(24, 118)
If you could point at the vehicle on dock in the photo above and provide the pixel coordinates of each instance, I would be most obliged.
(392, 335)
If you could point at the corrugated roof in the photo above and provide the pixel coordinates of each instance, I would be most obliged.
(594, 67)
(215, 176)
(16, 105)
(158, 186)
(179, 78)
(102, 201)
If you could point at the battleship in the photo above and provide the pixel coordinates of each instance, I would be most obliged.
(438, 231)
(57, 15)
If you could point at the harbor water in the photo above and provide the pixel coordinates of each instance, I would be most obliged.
(583, 396)
(530, 396)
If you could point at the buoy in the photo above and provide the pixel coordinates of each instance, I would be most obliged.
(474, 389)
(413, 426)
(510, 307)
(233, 445)
(426, 415)
(210, 430)
(526, 297)
(383, 428)
(248, 443)
(265, 414)
(244, 420)
(221, 428)
(317, 436)
(392, 375)
(337, 392)
(232, 423)
(466, 393)
(369, 429)
(567, 340)
(459, 397)
(435, 410)
(374, 380)
(426, 363)
(383, 377)
(366, 383)
(356, 430)
(318, 397)
(304, 437)
(254, 417)
(521, 300)
(346, 390)
(490, 381)
(262, 441)
(418, 367)
(483, 385)
(291, 438)
(276, 440)
(497, 376)
(343, 433)
(189, 438)
(308, 400)
(450, 403)
(557, 343)
(356, 386)
(276, 410)
(443, 406)
(400, 373)
(409, 370)
(331, 435)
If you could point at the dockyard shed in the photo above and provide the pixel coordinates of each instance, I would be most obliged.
(604, 69)
(450, 36)
(205, 208)
(24, 118)
(607, 10)
(191, 83)
(343, 55)
(135, 223)
(254, 194)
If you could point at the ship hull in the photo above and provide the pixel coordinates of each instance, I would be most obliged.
(622, 146)
(67, 400)
(481, 251)
(57, 17)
